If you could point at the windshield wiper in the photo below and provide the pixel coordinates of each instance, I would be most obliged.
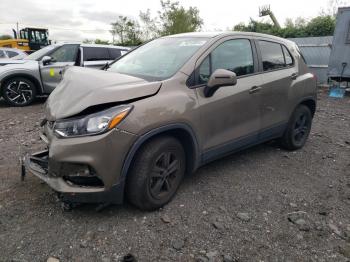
(105, 67)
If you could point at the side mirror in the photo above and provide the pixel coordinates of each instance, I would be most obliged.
(220, 77)
(47, 60)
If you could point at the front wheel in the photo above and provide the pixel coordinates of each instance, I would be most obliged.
(298, 129)
(156, 173)
(18, 91)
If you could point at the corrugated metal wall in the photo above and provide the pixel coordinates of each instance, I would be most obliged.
(316, 51)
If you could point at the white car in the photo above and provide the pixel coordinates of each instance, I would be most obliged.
(12, 53)
(40, 72)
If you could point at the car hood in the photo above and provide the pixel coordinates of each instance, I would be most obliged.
(15, 61)
(82, 88)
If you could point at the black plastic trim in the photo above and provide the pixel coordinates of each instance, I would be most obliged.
(139, 142)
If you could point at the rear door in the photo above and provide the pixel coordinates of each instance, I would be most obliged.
(51, 74)
(230, 119)
(278, 74)
(95, 57)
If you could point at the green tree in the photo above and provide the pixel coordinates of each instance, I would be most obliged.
(175, 19)
(88, 41)
(150, 28)
(5, 37)
(101, 42)
(127, 30)
(320, 26)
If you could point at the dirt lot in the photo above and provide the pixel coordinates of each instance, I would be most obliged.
(263, 204)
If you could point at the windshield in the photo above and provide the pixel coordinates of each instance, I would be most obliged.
(37, 55)
(158, 59)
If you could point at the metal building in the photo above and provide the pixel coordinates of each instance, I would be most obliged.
(339, 62)
(316, 51)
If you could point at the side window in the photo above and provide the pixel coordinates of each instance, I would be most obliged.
(11, 54)
(2, 54)
(234, 55)
(66, 53)
(287, 56)
(95, 54)
(114, 53)
(272, 56)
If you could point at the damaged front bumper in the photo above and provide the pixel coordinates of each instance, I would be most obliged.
(38, 165)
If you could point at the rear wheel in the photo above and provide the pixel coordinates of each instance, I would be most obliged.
(156, 173)
(298, 129)
(18, 91)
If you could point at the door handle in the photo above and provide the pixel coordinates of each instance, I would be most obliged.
(254, 89)
(294, 76)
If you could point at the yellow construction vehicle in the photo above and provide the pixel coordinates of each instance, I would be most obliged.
(22, 44)
(29, 39)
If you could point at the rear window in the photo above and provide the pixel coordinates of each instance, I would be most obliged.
(287, 56)
(271, 55)
(96, 54)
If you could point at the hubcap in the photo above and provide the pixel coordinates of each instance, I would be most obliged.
(300, 128)
(164, 174)
(19, 92)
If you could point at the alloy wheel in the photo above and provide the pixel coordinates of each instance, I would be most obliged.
(301, 128)
(19, 92)
(164, 175)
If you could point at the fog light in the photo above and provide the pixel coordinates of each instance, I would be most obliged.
(80, 175)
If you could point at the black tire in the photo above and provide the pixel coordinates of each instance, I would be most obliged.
(156, 173)
(298, 129)
(18, 91)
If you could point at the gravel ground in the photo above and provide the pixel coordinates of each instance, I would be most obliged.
(263, 204)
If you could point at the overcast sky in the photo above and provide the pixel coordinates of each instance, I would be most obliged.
(81, 19)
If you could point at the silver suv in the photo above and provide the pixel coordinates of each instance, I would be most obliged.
(39, 73)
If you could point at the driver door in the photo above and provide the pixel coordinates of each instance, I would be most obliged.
(51, 74)
(230, 119)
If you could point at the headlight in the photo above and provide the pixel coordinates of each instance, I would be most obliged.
(93, 124)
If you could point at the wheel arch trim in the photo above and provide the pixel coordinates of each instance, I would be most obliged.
(30, 77)
(153, 133)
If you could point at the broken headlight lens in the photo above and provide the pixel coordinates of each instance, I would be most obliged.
(93, 124)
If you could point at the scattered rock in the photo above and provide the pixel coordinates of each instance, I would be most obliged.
(166, 219)
(178, 244)
(101, 229)
(293, 205)
(299, 219)
(302, 224)
(128, 258)
(227, 258)
(218, 225)
(345, 250)
(323, 212)
(212, 255)
(243, 216)
(53, 259)
(201, 259)
(335, 230)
